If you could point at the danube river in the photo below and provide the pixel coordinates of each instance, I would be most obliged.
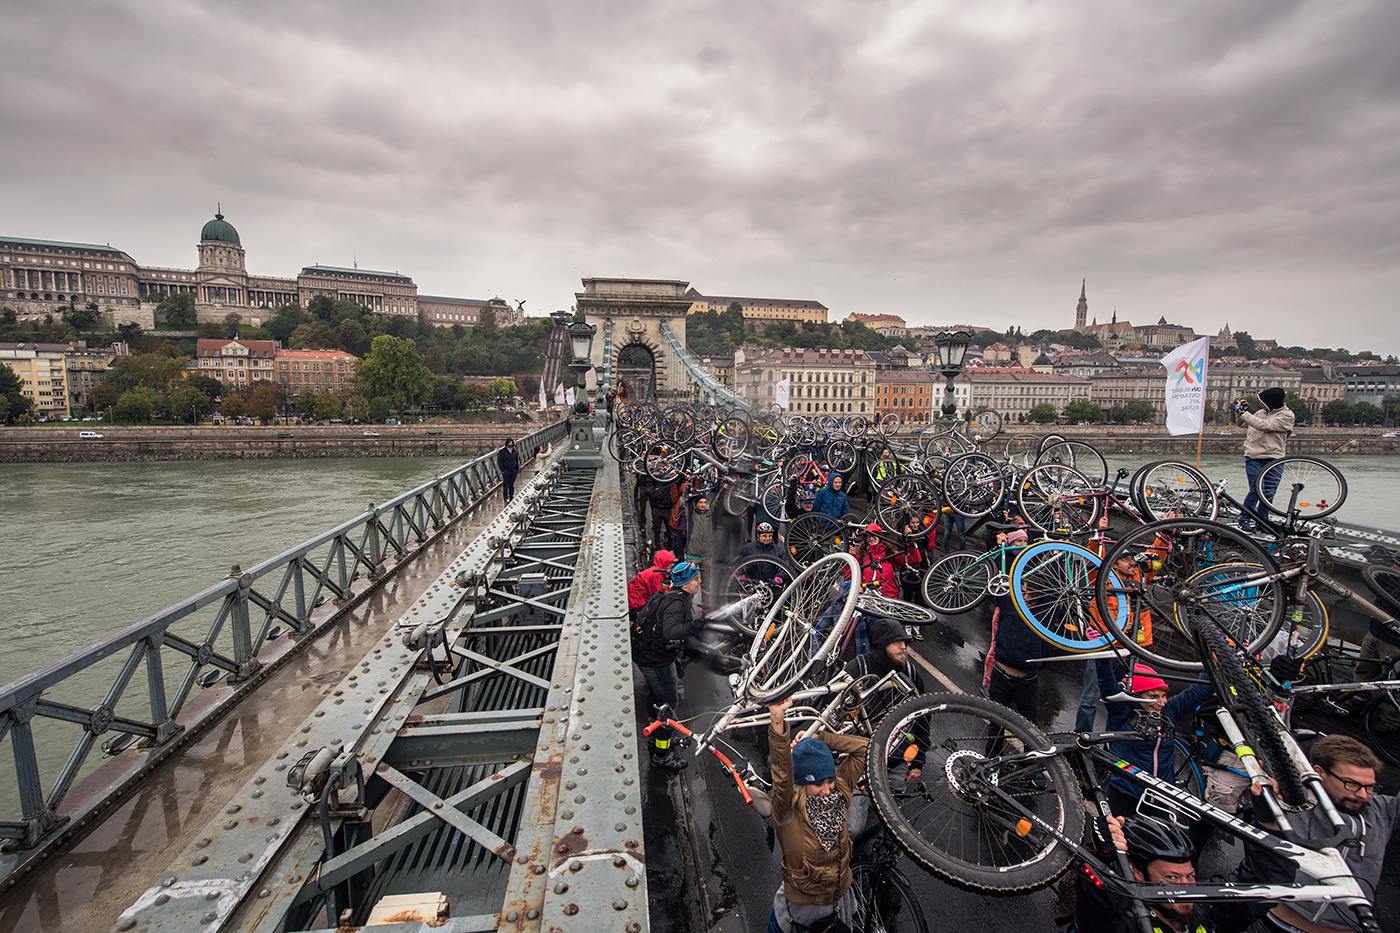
(91, 548)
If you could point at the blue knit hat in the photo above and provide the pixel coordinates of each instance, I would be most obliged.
(812, 762)
(684, 572)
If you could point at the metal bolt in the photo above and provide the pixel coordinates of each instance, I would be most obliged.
(209, 917)
(619, 904)
(561, 888)
(633, 880)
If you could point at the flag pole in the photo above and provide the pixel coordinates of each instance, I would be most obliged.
(1200, 439)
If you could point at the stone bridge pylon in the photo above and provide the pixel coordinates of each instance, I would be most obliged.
(628, 314)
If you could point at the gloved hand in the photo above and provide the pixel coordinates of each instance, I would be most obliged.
(1287, 669)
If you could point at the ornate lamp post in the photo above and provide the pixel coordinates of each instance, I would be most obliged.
(952, 348)
(586, 431)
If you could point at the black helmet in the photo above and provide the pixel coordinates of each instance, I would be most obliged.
(1150, 840)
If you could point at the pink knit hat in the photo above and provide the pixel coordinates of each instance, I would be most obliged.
(1145, 679)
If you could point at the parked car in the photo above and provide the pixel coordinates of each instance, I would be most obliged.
(282, 434)
(371, 434)
(434, 434)
(89, 436)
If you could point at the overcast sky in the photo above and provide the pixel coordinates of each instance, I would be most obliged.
(1208, 161)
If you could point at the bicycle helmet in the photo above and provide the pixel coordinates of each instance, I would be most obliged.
(764, 528)
(1151, 840)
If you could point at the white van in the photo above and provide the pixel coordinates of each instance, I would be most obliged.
(89, 435)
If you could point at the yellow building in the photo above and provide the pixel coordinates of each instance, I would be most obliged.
(797, 310)
(43, 376)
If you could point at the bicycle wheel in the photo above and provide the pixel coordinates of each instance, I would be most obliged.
(1313, 487)
(905, 500)
(973, 484)
(1260, 724)
(731, 438)
(812, 536)
(773, 499)
(841, 456)
(802, 629)
(663, 461)
(1186, 773)
(1383, 726)
(897, 610)
(957, 583)
(884, 901)
(986, 424)
(975, 819)
(1173, 490)
(1179, 578)
(764, 577)
(887, 424)
(1058, 499)
(1052, 587)
(1083, 457)
(1048, 441)
(1385, 584)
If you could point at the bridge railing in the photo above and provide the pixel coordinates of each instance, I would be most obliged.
(216, 635)
(707, 383)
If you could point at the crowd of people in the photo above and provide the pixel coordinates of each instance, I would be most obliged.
(816, 782)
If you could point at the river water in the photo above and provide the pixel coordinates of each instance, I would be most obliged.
(88, 549)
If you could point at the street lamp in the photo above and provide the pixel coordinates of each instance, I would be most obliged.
(581, 343)
(952, 348)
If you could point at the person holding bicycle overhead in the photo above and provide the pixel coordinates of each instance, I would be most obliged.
(1266, 438)
(1159, 853)
(811, 796)
(1348, 770)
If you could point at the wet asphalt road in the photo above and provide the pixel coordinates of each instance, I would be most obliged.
(720, 871)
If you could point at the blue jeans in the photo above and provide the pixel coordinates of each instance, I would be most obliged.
(1252, 468)
(663, 686)
(950, 521)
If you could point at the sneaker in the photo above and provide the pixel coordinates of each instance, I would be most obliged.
(916, 633)
(668, 760)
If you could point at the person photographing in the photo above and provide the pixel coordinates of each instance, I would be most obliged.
(1266, 438)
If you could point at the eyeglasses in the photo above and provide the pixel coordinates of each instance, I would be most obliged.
(1355, 787)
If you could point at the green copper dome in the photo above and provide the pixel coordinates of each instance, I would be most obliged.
(221, 230)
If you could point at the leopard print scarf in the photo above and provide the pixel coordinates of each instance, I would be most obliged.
(828, 817)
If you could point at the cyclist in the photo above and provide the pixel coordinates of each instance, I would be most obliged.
(1348, 770)
(1159, 853)
(876, 563)
(887, 467)
(811, 799)
(1145, 692)
(663, 627)
(954, 521)
(1011, 673)
(763, 545)
(1266, 438)
(647, 583)
(831, 501)
(889, 652)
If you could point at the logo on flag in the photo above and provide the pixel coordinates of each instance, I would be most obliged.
(1186, 386)
(1191, 372)
(782, 393)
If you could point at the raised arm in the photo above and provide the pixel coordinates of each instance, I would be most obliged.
(780, 759)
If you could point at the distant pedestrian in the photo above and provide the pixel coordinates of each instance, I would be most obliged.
(1266, 438)
(954, 521)
(509, 463)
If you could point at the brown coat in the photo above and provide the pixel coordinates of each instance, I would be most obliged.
(812, 875)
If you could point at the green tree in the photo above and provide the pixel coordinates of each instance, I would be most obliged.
(137, 405)
(1391, 409)
(316, 335)
(1083, 410)
(394, 371)
(1302, 411)
(8, 317)
(232, 407)
(352, 338)
(211, 388)
(356, 408)
(1337, 411)
(1140, 409)
(16, 404)
(327, 406)
(151, 370)
(284, 320)
(1365, 413)
(187, 403)
(231, 322)
(82, 318)
(1044, 413)
(379, 409)
(177, 310)
(487, 320)
(502, 388)
(261, 402)
(305, 406)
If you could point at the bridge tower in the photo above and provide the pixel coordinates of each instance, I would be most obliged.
(629, 315)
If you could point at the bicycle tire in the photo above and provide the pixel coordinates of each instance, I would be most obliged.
(1058, 499)
(813, 535)
(1383, 726)
(973, 484)
(987, 424)
(767, 677)
(885, 903)
(1186, 773)
(1056, 798)
(766, 576)
(961, 572)
(1314, 506)
(1081, 456)
(1169, 489)
(1065, 621)
(886, 607)
(1187, 540)
(1247, 698)
(1301, 633)
(1385, 586)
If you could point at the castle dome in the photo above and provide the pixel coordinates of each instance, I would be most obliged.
(220, 230)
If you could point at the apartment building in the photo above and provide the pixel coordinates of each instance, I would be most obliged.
(824, 382)
(43, 376)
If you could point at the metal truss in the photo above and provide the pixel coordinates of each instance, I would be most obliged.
(495, 732)
(709, 387)
(226, 633)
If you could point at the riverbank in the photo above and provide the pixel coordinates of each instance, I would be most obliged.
(119, 444)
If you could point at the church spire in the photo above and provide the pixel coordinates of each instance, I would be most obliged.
(1081, 310)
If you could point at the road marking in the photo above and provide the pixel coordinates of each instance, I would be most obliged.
(938, 675)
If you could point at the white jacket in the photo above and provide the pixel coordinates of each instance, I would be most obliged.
(1266, 434)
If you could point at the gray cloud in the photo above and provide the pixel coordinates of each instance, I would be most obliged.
(1203, 161)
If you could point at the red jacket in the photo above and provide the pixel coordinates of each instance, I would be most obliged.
(877, 568)
(650, 581)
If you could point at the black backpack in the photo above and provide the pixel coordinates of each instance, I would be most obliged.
(661, 496)
(647, 629)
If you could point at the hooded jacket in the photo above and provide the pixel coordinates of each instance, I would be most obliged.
(812, 875)
(1266, 433)
(832, 502)
(877, 569)
(702, 531)
(650, 581)
(1156, 755)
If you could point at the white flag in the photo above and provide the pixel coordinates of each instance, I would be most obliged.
(782, 393)
(559, 394)
(544, 400)
(1187, 366)
(569, 396)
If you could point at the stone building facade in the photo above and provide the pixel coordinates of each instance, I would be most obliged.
(39, 276)
(43, 376)
(762, 310)
(824, 382)
(86, 367)
(315, 371)
(906, 393)
(1014, 391)
(237, 362)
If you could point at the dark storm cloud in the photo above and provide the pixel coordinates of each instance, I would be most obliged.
(1203, 161)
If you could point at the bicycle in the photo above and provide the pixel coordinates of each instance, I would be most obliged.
(884, 900)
